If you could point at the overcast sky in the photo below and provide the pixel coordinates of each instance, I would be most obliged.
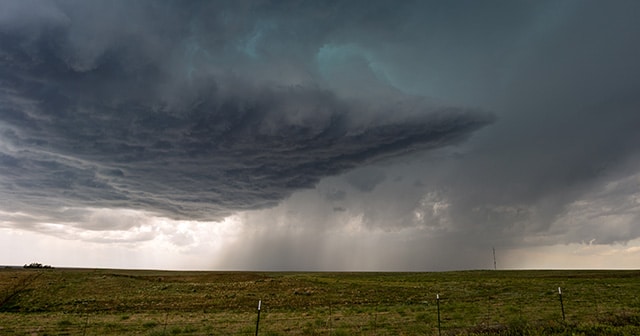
(320, 135)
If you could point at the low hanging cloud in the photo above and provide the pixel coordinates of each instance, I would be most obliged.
(105, 107)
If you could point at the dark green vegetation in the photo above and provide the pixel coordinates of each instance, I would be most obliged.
(122, 302)
(36, 265)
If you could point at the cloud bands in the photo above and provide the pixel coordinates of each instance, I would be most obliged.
(94, 114)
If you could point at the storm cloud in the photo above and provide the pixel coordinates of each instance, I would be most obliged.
(112, 105)
(329, 135)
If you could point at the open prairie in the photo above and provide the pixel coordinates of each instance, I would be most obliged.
(137, 302)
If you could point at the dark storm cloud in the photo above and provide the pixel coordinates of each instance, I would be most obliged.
(191, 110)
(200, 109)
(573, 92)
(560, 167)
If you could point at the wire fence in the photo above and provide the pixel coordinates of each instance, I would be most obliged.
(441, 315)
(67, 303)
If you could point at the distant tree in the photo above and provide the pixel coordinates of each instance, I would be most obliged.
(36, 265)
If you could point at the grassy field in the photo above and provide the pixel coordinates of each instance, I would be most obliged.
(126, 302)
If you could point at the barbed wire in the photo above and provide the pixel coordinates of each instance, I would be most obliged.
(366, 323)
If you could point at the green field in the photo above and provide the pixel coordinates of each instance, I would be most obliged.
(127, 302)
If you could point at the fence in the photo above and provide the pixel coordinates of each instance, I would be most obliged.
(117, 302)
(440, 315)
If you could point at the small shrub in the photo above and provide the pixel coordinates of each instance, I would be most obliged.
(150, 324)
(111, 327)
(596, 330)
(157, 333)
(621, 319)
(64, 323)
(308, 329)
(341, 332)
(189, 329)
(518, 326)
(422, 317)
(272, 333)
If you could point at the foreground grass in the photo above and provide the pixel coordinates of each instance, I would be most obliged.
(117, 302)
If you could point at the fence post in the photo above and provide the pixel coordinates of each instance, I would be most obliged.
(330, 317)
(561, 303)
(258, 320)
(164, 329)
(438, 307)
(375, 321)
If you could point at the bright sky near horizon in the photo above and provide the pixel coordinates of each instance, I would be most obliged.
(328, 135)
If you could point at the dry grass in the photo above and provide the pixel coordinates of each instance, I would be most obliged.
(116, 302)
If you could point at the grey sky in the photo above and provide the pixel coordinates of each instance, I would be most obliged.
(345, 135)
